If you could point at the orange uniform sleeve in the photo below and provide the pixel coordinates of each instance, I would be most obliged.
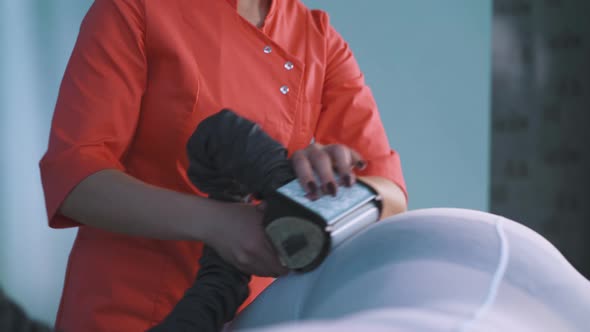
(349, 113)
(99, 101)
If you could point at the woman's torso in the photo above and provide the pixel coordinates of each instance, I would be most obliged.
(202, 57)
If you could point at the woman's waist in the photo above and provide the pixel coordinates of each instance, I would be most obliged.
(135, 261)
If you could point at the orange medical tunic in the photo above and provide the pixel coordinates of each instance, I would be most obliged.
(141, 77)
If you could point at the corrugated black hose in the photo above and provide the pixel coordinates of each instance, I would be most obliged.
(230, 158)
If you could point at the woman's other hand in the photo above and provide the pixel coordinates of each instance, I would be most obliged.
(239, 238)
(326, 161)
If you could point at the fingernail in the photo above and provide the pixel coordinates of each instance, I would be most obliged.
(361, 164)
(331, 188)
(311, 197)
(313, 188)
(347, 180)
(342, 181)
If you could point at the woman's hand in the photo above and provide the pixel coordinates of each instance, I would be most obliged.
(239, 238)
(326, 161)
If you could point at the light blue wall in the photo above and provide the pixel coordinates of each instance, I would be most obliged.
(428, 64)
(36, 38)
(426, 60)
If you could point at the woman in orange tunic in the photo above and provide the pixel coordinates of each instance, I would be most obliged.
(141, 77)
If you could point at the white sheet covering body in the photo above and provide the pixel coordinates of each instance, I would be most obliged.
(431, 270)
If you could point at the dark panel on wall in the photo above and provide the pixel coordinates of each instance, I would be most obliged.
(541, 120)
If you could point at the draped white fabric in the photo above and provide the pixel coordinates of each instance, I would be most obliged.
(430, 270)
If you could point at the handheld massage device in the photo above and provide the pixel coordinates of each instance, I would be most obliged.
(304, 231)
(232, 157)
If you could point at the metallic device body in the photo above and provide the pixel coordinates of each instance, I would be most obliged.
(303, 232)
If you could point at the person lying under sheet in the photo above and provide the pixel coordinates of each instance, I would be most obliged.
(430, 270)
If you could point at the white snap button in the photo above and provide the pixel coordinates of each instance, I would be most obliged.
(267, 49)
(284, 89)
(289, 65)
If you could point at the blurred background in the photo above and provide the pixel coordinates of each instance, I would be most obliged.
(485, 102)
